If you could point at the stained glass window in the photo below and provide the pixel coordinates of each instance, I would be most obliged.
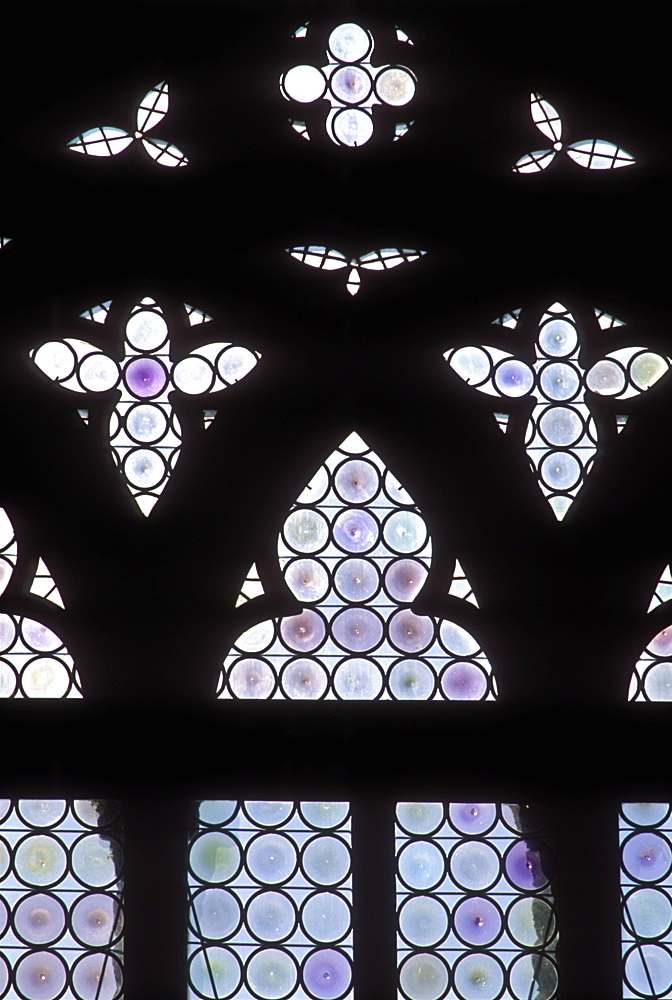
(355, 552)
(61, 917)
(270, 901)
(475, 907)
(150, 615)
(646, 864)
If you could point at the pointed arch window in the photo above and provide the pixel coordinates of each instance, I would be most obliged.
(355, 552)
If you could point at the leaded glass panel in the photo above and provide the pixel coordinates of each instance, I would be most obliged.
(645, 833)
(475, 907)
(61, 917)
(270, 898)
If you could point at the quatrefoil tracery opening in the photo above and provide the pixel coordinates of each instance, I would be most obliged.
(561, 438)
(144, 432)
(351, 84)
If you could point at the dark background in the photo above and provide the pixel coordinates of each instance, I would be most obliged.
(150, 602)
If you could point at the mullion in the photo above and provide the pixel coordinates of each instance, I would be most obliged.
(157, 829)
(374, 899)
(583, 832)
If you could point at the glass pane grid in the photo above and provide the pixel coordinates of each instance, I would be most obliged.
(645, 835)
(61, 919)
(270, 901)
(475, 911)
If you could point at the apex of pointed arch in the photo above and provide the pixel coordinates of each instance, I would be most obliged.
(354, 443)
(557, 307)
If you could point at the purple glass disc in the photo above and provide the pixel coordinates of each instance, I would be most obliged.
(524, 866)
(463, 681)
(145, 377)
(357, 629)
(411, 633)
(355, 531)
(477, 921)
(39, 918)
(472, 817)
(661, 644)
(302, 632)
(647, 856)
(404, 578)
(327, 974)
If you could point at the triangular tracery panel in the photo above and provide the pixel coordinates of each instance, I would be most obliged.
(355, 552)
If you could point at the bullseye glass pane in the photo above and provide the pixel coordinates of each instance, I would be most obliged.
(645, 833)
(61, 883)
(474, 902)
(270, 901)
(355, 552)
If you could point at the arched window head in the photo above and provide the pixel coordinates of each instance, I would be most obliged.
(351, 84)
(595, 154)
(144, 431)
(652, 678)
(108, 140)
(355, 552)
(270, 894)
(561, 438)
(645, 831)
(61, 918)
(475, 909)
(34, 662)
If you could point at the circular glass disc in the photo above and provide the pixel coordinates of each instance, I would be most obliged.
(395, 86)
(304, 84)
(349, 42)
(352, 127)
